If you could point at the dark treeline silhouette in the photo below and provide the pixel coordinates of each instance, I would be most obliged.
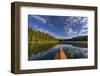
(78, 38)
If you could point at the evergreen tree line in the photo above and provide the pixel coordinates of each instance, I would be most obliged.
(35, 36)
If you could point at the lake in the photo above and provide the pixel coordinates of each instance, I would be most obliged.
(73, 50)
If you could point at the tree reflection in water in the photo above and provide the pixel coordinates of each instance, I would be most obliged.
(45, 51)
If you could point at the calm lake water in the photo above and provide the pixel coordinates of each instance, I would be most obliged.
(74, 50)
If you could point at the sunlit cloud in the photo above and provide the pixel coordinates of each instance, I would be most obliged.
(70, 31)
(40, 19)
(60, 26)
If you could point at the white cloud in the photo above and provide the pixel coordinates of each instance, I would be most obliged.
(45, 31)
(40, 18)
(71, 32)
(75, 21)
(69, 19)
(42, 30)
(66, 28)
(83, 32)
(48, 32)
(85, 26)
(84, 20)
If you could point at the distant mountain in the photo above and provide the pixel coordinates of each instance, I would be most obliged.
(78, 38)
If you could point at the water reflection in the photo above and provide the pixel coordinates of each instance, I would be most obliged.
(48, 51)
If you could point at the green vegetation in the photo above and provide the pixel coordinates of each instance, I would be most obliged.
(39, 48)
(38, 41)
(35, 36)
(78, 38)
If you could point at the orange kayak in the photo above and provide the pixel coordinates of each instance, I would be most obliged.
(61, 54)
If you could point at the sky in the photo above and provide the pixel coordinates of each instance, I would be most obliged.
(61, 27)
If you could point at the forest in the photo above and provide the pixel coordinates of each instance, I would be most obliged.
(41, 41)
(35, 36)
(78, 38)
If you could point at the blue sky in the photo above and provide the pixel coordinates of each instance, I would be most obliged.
(61, 27)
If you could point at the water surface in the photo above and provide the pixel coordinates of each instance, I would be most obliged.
(74, 50)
